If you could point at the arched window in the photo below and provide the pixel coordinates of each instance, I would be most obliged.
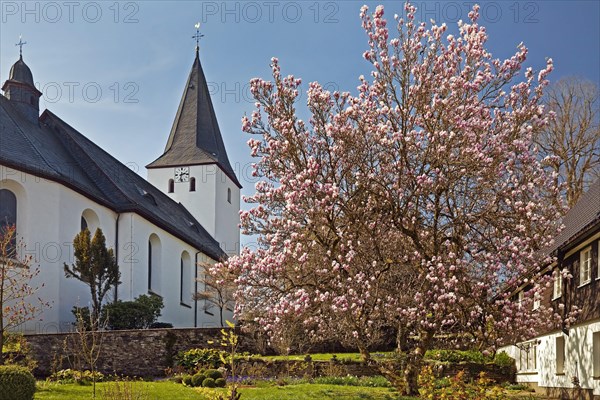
(185, 277)
(8, 213)
(154, 264)
(229, 195)
(192, 184)
(171, 185)
(84, 224)
(89, 219)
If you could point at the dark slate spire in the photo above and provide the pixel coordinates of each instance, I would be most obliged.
(195, 136)
(20, 88)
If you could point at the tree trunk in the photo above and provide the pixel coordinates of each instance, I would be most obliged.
(414, 362)
(402, 339)
(364, 354)
(2, 346)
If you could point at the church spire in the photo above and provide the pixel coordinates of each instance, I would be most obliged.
(20, 88)
(195, 137)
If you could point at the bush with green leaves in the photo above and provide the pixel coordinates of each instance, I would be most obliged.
(187, 380)
(82, 315)
(161, 325)
(209, 383)
(193, 359)
(16, 383)
(503, 360)
(197, 379)
(455, 356)
(140, 313)
(213, 373)
(73, 376)
(220, 382)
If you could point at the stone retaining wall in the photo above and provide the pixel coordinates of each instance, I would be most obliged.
(131, 352)
(148, 352)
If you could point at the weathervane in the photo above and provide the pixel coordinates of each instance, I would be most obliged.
(20, 44)
(197, 36)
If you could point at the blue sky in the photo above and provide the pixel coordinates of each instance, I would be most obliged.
(116, 70)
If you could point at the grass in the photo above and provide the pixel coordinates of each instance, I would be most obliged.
(310, 391)
(170, 390)
(263, 391)
(156, 390)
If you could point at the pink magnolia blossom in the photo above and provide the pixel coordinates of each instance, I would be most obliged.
(408, 206)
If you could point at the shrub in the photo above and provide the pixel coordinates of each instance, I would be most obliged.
(140, 313)
(503, 360)
(455, 356)
(194, 358)
(161, 325)
(17, 351)
(209, 383)
(198, 379)
(187, 380)
(213, 373)
(457, 388)
(220, 382)
(74, 376)
(82, 314)
(16, 383)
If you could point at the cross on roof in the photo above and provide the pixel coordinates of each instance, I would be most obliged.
(20, 44)
(197, 36)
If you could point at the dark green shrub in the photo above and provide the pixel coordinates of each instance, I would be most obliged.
(140, 313)
(209, 383)
(198, 379)
(503, 360)
(213, 373)
(220, 382)
(16, 383)
(187, 380)
(161, 325)
(83, 314)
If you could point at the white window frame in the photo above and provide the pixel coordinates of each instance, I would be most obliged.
(598, 260)
(585, 265)
(560, 347)
(557, 290)
(596, 354)
(528, 356)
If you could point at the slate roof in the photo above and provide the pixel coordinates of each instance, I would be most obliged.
(56, 151)
(581, 217)
(195, 137)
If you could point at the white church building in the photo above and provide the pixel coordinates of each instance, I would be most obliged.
(54, 182)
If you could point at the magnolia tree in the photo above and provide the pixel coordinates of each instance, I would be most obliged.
(18, 301)
(410, 205)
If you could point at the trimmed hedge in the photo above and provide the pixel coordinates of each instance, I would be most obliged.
(16, 383)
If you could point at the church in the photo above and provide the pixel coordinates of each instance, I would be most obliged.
(54, 182)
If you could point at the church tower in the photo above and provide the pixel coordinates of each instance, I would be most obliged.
(194, 168)
(20, 89)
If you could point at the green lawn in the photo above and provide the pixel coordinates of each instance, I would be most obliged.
(168, 390)
(310, 391)
(154, 391)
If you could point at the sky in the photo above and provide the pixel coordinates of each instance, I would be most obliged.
(115, 71)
